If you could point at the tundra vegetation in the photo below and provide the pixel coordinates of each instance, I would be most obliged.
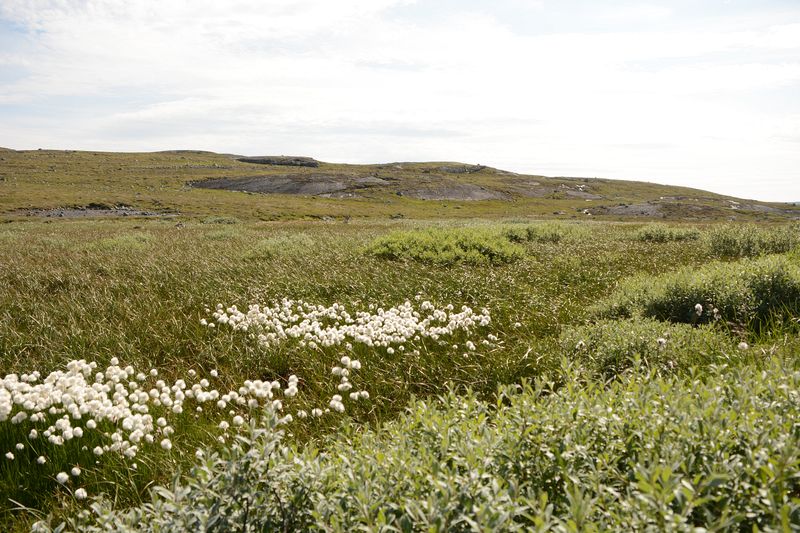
(221, 372)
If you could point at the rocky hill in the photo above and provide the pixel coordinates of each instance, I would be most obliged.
(275, 187)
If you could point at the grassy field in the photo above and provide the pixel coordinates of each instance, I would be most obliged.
(472, 368)
(138, 289)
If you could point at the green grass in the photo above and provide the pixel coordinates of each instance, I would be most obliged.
(136, 289)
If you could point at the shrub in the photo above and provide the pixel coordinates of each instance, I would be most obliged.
(538, 233)
(749, 240)
(447, 246)
(610, 347)
(747, 293)
(645, 453)
(659, 233)
(544, 232)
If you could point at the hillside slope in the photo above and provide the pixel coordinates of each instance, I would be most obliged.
(197, 183)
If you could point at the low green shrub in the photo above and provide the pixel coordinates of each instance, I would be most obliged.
(535, 233)
(608, 348)
(645, 453)
(748, 293)
(658, 233)
(447, 246)
(545, 232)
(748, 240)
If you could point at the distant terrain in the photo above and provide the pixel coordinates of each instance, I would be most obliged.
(69, 184)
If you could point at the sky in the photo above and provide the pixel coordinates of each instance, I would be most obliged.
(701, 93)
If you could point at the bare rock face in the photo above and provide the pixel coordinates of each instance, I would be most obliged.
(311, 185)
(453, 191)
(465, 169)
(282, 160)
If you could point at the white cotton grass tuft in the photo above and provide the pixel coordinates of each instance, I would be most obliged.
(127, 410)
(321, 326)
(86, 398)
(80, 494)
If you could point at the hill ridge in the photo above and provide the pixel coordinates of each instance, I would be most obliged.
(195, 182)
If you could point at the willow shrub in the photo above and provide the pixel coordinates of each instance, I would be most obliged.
(645, 453)
(748, 240)
(748, 293)
(658, 233)
(609, 348)
(445, 246)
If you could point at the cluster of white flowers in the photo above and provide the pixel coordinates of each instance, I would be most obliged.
(82, 399)
(319, 326)
(348, 365)
(116, 403)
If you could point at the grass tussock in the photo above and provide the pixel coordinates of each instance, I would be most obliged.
(281, 245)
(446, 246)
(126, 242)
(747, 293)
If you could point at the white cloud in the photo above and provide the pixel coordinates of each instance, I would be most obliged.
(350, 80)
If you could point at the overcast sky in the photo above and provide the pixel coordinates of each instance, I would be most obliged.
(704, 93)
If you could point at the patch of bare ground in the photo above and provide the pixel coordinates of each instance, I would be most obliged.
(93, 210)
